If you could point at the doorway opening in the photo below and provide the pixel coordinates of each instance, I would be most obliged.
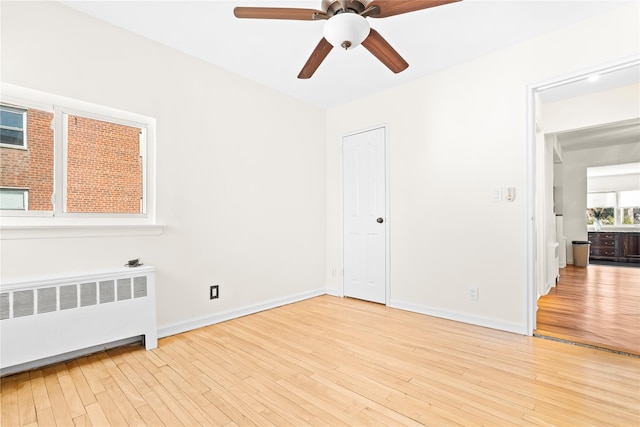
(546, 266)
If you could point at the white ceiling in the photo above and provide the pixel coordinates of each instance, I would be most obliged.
(595, 83)
(272, 52)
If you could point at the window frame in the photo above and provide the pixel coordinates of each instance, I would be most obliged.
(23, 112)
(60, 199)
(61, 106)
(25, 196)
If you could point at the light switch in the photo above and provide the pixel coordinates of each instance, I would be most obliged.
(496, 195)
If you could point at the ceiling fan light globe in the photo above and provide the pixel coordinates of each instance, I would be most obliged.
(346, 30)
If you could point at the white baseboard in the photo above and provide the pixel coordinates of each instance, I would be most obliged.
(334, 292)
(460, 317)
(200, 322)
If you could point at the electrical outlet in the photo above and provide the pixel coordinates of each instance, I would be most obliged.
(213, 292)
(333, 273)
(473, 294)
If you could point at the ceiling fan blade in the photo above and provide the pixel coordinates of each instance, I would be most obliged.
(382, 50)
(397, 7)
(317, 56)
(279, 13)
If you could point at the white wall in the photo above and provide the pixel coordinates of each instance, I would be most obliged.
(241, 186)
(615, 105)
(454, 136)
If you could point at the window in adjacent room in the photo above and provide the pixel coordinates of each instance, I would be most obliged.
(629, 203)
(613, 195)
(601, 206)
(624, 209)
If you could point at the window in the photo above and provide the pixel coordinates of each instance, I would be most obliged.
(14, 199)
(629, 202)
(104, 166)
(601, 206)
(613, 195)
(12, 127)
(614, 207)
(84, 164)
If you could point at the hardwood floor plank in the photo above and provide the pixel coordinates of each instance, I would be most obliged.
(39, 390)
(97, 417)
(110, 409)
(183, 399)
(149, 417)
(88, 366)
(122, 383)
(71, 396)
(162, 411)
(80, 382)
(122, 401)
(82, 421)
(10, 413)
(46, 417)
(98, 367)
(136, 377)
(26, 405)
(331, 361)
(172, 403)
(58, 402)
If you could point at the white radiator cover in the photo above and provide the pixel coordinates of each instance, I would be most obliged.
(45, 317)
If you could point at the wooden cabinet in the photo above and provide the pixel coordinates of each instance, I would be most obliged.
(630, 243)
(604, 246)
(615, 246)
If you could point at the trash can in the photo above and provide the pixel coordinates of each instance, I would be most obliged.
(581, 252)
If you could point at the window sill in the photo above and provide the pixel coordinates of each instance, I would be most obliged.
(13, 232)
(615, 228)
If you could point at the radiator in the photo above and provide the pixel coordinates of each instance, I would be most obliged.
(48, 317)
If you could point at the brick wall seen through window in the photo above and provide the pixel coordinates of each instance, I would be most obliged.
(104, 166)
(104, 170)
(32, 168)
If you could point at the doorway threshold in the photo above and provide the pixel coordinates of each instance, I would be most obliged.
(580, 344)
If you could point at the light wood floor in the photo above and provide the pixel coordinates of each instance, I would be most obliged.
(333, 361)
(598, 305)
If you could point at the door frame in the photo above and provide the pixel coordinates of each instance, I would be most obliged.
(387, 220)
(535, 237)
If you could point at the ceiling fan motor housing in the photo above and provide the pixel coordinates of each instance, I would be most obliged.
(333, 7)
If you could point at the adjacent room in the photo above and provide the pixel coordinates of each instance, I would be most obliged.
(591, 184)
(332, 212)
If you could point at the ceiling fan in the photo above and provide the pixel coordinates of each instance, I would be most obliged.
(346, 26)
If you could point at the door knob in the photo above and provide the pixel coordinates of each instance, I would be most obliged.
(379, 220)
